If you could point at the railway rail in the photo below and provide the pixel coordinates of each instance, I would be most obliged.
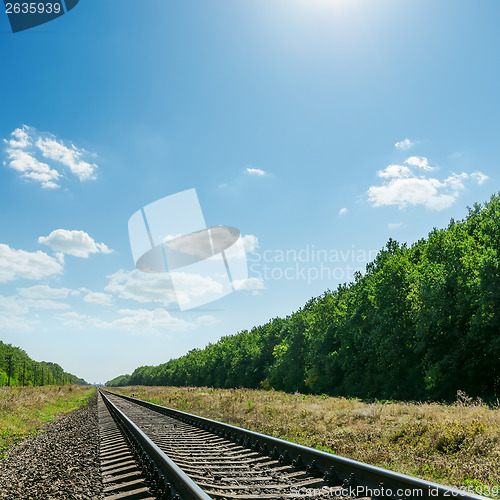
(183, 456)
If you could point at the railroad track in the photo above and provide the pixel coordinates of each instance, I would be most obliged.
(186, 457)
(122, 476)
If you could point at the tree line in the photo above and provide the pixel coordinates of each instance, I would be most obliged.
(18, 369)
(421, 323)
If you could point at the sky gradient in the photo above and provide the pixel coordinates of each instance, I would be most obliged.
(318, 128)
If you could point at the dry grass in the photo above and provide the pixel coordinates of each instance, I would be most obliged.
(24, 410)
(455, 444)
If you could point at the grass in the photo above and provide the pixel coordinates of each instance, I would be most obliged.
(25, 410)
(457, 444)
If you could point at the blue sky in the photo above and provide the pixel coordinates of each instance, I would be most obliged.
(316, 126)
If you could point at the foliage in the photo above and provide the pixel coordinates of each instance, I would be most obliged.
(422, 323)
(22, 367)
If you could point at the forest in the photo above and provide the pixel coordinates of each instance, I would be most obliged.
(421, 323)
(18, 369)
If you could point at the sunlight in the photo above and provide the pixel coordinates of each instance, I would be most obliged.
(337, 5)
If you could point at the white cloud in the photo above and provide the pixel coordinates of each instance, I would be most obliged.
(249, 284)
(189, 286)
(236, 185)
(255, 171)
(44, 292)
(20, 139)
(207, 320)
(142, 287)
(16, 311)
(16, 264)
(60, 257)
(101, 298)
(396, 171)
(74, 320)
(479, 177)
(77, 243)
(419, 161)
(158, 288)
(70, 157)
(343, 211)
(411, 191)
(406, 185)
(16, 324)
(455, 181)
(101, 247)
(15, 305)
(395, 225)
(31, 168)
(404, 144)
(138, 321)
(143, 321)
(39, 156)
(45, 304)
(72, 315)
(250, 242)
(12, 306)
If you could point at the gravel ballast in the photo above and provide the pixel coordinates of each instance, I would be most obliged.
(60, 462)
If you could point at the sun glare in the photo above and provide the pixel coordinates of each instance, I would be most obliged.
(338, 5)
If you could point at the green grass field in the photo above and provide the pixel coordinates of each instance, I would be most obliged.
(25, 410)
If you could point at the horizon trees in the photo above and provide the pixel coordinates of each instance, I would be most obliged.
(421, 323)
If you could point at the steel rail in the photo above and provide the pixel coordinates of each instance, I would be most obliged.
(356, 476)
(172, 473)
